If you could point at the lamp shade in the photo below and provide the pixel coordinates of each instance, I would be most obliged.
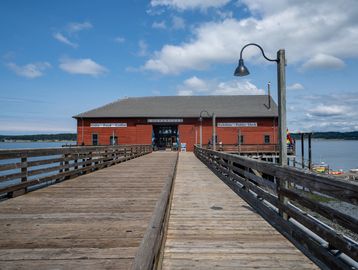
(241, 70)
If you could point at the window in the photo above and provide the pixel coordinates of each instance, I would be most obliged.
(240, 139)
(113, 140)
(94, 139)
(267, 139)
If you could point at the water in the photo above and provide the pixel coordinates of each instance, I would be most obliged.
(23, 145)
(338, 154)
(27, 145)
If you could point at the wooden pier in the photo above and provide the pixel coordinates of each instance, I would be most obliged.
(94, 221)
(125, 207)
(211, 227)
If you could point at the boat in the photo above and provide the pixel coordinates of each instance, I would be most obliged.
(320, 168)
(353, 170)
(339, 172)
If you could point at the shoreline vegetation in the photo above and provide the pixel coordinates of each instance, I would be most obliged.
(61, 137)
(330, 135)
(65, 137)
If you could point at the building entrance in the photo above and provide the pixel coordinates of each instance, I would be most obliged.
(165, 137)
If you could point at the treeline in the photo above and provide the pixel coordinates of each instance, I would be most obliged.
(353, 135)
(40, 137)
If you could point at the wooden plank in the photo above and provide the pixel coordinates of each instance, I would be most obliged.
(211, 227)
(151, 242)
(304, 241)
(94, 221)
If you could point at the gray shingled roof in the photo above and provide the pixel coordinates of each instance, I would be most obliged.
(186, 106)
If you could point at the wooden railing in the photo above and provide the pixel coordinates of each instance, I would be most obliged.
(149, 254)
(24, 169)
(250, 148)
(289, 199)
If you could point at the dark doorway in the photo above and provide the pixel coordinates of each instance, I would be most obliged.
(165, 137)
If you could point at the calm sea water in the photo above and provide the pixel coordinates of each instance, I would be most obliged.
(338, 154)
(22, 145)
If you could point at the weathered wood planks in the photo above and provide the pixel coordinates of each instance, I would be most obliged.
(95, 221)
(211, 227)
(320, 242)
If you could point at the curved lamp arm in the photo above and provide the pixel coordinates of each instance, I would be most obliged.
(205, 112)
(262, 51)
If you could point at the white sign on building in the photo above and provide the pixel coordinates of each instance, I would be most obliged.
(238, 124)
(168, 120)
(109, 125)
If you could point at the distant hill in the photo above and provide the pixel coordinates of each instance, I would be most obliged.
(353, 135)
(40, 137)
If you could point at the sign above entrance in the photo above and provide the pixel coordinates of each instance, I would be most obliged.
(238, 124)
(109, 125)
(169, 120)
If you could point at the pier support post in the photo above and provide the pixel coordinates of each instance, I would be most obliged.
(309, 151)
(303, 150)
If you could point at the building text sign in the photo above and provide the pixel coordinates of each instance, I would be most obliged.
(109, 125)
(238, 124)
(169, 120)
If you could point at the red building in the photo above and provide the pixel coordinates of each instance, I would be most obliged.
(174, 120)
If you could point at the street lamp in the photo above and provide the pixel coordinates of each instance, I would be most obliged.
(201, 128)
(242, 70)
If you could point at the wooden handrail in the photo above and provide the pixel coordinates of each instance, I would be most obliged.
(23, 169)
(258, 183)
(148, 254)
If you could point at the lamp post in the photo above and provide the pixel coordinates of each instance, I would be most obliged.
(241, 70)
(201, 128)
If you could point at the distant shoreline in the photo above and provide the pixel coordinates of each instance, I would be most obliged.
(35, 141)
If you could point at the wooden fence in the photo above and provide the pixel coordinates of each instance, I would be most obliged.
(289, 198)
(25, 169)
(251, 148)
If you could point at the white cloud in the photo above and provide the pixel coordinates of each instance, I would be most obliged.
(71, 30)
(159, 25)
(295, 86)
(28, 125)
(327, 111)
(82, 66)
(323, 61)
(31, 71)
(77, 27)
(190, 4)
(304, 28)
(178, 23)
(119, 40)
(196, 86)
(143, 48)
(60, 37)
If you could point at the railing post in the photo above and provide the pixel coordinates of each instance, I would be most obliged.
(76, 161)
(65, 156)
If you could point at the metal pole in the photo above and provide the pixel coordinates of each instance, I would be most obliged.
(281, 86)
(269, 94)
(303, 150)
(239, 141)
(309, 151)
(214, 132)
(201, 132)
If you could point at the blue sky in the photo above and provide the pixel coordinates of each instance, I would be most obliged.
(60, 58)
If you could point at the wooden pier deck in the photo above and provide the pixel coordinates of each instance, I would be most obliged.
(210, 227)
(94, 221)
